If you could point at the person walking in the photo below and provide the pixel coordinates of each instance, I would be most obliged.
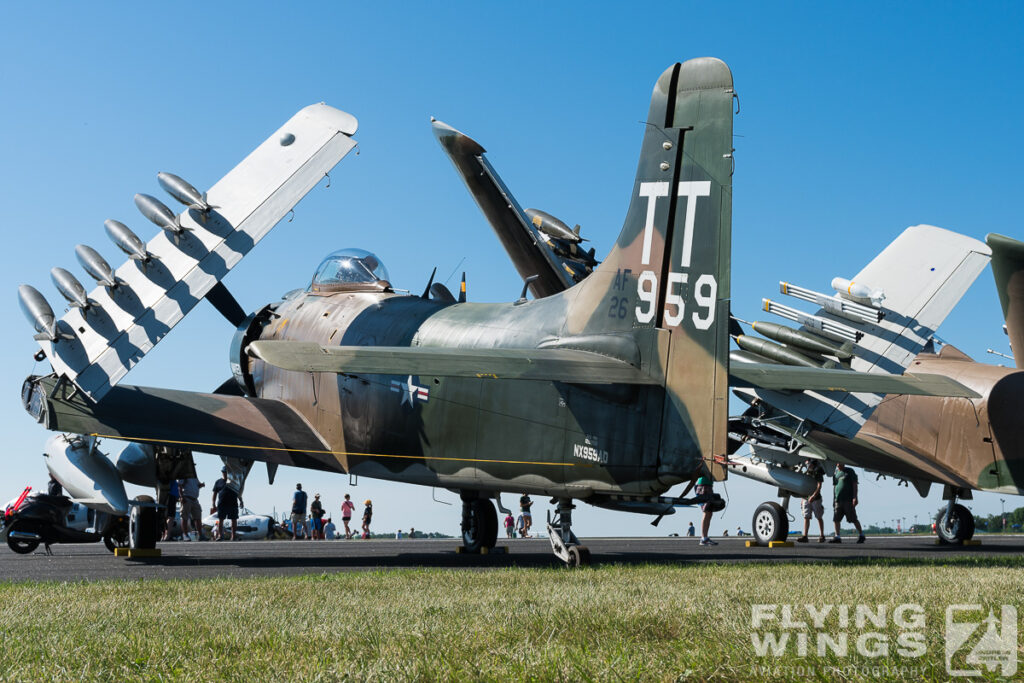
(510, 526)
(347, 508)
(845, 501)
(170, 510)
(524, 507)
(702, 485)
(812, 505)
(299, 499)
(367, 518)
(191, 510)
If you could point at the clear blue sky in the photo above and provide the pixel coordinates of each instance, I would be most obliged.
(857, 120)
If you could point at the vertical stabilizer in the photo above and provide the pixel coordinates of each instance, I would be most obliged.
(669, 268)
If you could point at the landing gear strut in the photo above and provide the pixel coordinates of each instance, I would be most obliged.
(956, 524)
(564, 543)
(479, 524)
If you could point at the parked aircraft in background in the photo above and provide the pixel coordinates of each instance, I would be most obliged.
(962, 444)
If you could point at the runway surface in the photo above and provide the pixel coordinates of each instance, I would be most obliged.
(182, 560)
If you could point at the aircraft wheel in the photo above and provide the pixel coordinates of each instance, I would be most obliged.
(143, 524)
(116, 538)
(960, 529)
(770, 523)
(582, 553)
(491, 523)
(20, 545)
(483, 526)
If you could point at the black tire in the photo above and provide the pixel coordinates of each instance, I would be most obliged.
(483, 526)
(770, 523)
(21, 546)
(584, 553)
(147, 523)
(575, 557)
(490, 517)
(116, 536)
(960, 529)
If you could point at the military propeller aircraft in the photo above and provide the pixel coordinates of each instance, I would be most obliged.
(959, 443)
(609, 386)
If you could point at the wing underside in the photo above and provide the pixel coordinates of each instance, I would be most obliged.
(783, 377)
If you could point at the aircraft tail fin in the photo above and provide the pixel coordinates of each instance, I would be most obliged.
(668, 273)
(1008, 270)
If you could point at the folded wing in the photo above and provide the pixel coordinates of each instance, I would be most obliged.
(98, 346)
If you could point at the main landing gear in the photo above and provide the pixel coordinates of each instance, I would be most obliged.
(479, 524)
(564, 543)
(956, 524)
(771, 522)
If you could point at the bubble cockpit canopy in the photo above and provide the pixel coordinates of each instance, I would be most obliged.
(350, 269)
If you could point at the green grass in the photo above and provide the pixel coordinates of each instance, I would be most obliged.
(609, 623)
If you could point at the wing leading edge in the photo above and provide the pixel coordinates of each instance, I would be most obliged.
(557, 365)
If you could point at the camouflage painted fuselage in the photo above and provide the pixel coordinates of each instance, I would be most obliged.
(484, 433)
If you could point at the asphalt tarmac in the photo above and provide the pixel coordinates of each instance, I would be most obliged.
(191, 560)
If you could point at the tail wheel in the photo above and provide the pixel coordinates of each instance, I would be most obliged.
(959, 529)
(579, 556)
(20, 545)
(770, 523)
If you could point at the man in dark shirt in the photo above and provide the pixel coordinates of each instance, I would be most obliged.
(367, 518)
(299, 513)
(845, 502)
(225, 503)
(316, 511)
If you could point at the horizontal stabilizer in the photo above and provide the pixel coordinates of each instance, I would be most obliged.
(800, 378)
(139, 303)
(556, 365)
